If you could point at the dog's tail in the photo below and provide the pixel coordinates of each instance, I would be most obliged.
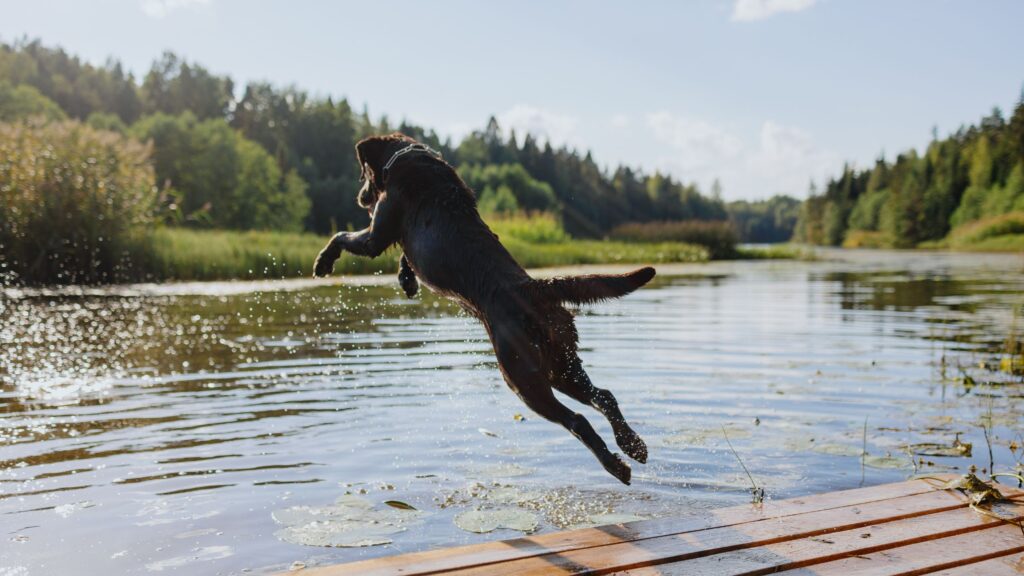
(592, 287)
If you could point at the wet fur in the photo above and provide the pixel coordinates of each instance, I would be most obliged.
(422, 205)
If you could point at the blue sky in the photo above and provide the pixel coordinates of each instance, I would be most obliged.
(763, 94)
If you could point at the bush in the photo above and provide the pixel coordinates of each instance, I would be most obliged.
(539, 228)
(866, 239)
(23, 101)
(718, 236)
(75, 203)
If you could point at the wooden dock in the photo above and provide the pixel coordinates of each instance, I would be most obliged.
(912, 527)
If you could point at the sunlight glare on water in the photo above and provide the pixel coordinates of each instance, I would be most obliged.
(226, 427)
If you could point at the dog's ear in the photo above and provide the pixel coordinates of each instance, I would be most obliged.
(370, 155)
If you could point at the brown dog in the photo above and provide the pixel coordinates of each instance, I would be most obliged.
(419, 202)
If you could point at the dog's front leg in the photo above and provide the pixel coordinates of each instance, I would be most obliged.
(407, 278)
(382, 232)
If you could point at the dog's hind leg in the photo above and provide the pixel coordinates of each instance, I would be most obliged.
(535, 392)
(576, 384)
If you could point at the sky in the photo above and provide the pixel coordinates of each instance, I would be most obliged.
(764, 95)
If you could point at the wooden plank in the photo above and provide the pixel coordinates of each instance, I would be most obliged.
(678, 547)
(445, 559)
(1009, 565)
(828, 547)
(964, 552)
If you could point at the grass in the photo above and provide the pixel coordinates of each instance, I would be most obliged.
(186, 254)
(776, 252)
(1004, 233)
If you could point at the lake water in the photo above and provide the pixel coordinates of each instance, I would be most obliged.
(230, 428)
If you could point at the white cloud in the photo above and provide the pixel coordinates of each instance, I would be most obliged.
(161, 8)
(749, 10)
(543, 124)
(788, 159)
(778, 159)
(693, 145)
(620, 121)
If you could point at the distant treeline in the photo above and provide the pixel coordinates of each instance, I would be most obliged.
(975, 174)
(278, 158)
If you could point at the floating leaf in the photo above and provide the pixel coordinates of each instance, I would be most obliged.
(886, 461)
(349, 522)
(958, 448)
(483, 521)
(602, 519)
(399, 504)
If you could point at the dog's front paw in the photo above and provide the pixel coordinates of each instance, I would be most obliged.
(324, 264)
(408, 282)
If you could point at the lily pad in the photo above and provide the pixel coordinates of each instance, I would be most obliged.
(887, 461)
(708, 436)
(483, 521)
(350, 522)
(822, 447)
(602, 519)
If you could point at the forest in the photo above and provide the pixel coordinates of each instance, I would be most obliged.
(962, 191)
(218, 158)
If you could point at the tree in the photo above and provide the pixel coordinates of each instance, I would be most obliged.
(218, 177)
(173, 86)
(24, 101)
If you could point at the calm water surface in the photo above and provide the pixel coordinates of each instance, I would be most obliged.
(211, 429)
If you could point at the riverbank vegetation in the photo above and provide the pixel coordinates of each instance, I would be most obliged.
(963, 192)
(537, 241)
(215, 177)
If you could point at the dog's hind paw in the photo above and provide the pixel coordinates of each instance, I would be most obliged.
(618, 467)
(633, 445)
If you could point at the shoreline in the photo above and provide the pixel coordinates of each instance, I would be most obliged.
(824, 257)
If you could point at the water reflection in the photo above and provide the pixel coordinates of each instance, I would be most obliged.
(147, 430)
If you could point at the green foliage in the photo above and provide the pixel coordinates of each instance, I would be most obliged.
(77, 87)
(24, 101)
(76, 203)
(502, 181)
(866, 213)
(500, 201)
(536, 228)
(220, 178)
(975, 173)
(173, 86)
(765, 221)
(106, 121)
(982, 231)
(589, 201)
(719, 237)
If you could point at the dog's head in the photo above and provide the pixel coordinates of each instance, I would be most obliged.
(372, 154)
